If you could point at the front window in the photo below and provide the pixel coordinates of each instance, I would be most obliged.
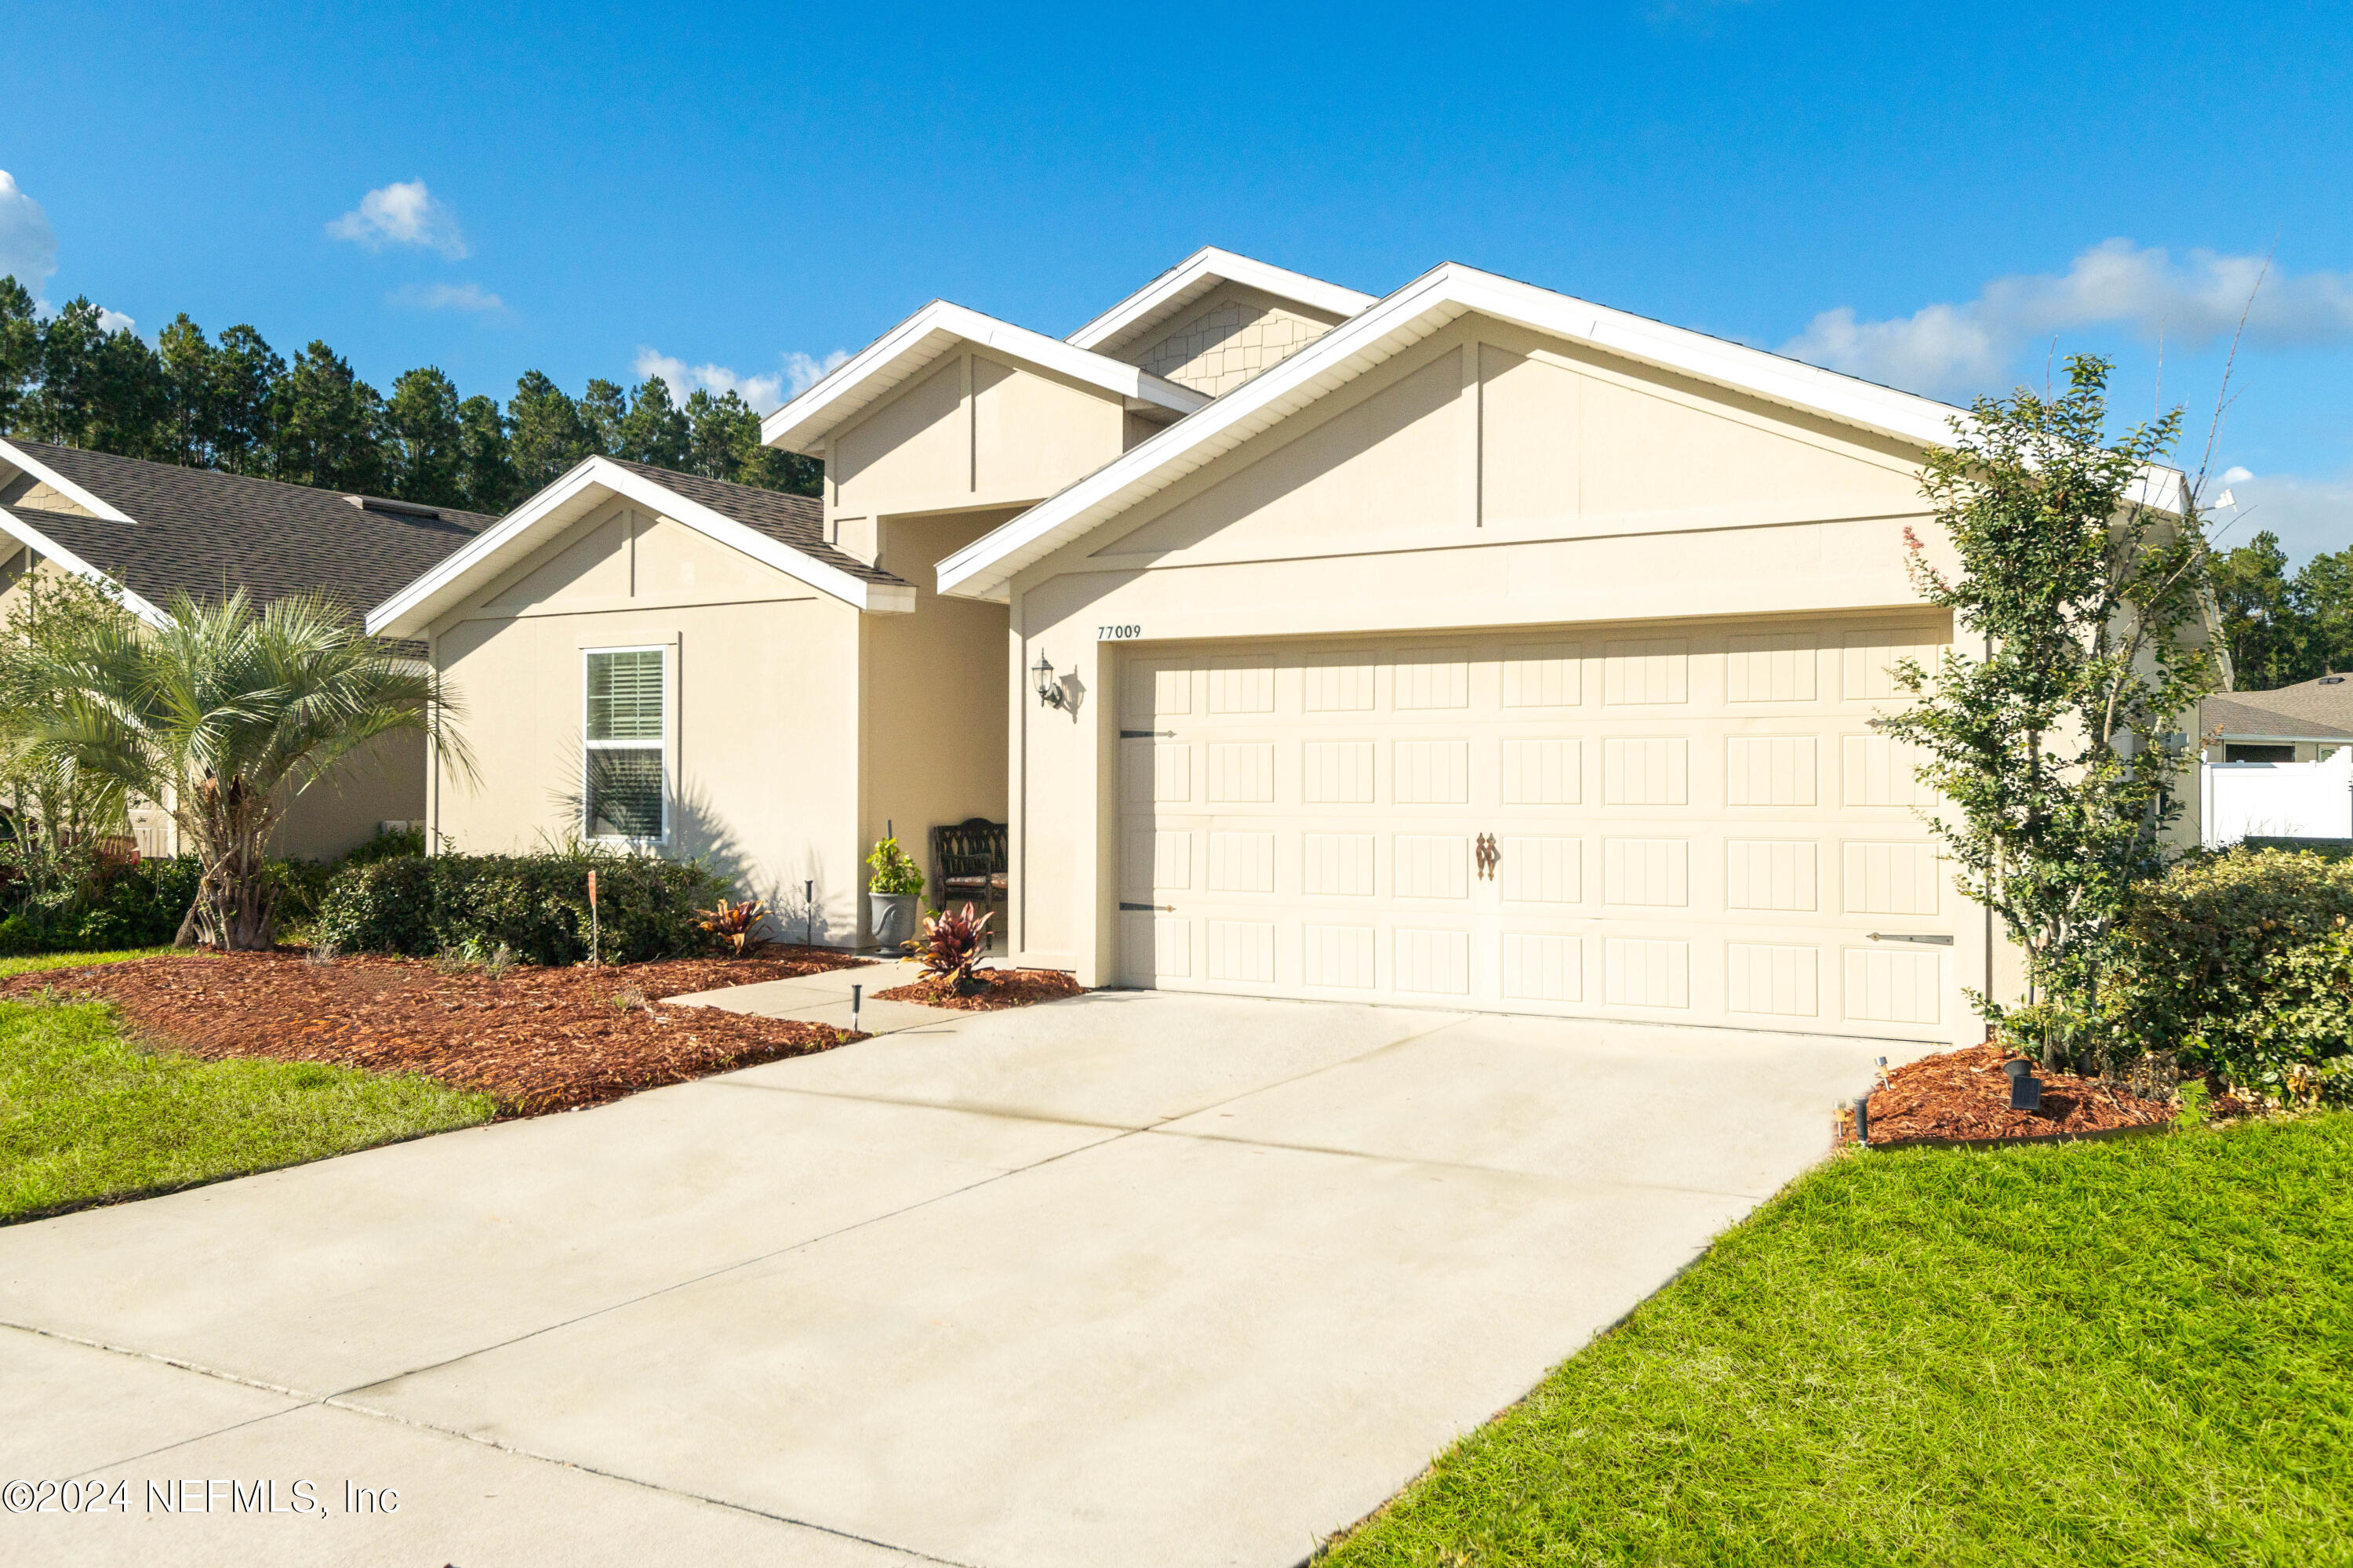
(623, 744)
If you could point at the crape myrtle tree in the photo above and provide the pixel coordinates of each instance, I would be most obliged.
(2058, 750)
(233, 403)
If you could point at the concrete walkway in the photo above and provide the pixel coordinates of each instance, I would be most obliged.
(1133, 1279)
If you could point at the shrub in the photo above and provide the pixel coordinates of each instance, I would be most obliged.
(536, 904)
(385, 846)
(2243, 963)
(894, 870)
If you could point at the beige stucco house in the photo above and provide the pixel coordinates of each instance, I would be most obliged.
(1471, 647)
(692, 668)
(147, 531)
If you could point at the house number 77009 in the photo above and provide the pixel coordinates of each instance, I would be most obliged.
(1118, 634)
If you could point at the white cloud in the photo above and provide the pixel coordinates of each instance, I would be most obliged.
(446, 297)
(804, 373)
(114, 320)
(764, 393)
(28, 246)
(2196, 302)
(2237, 475)
(402, 213)
(2309, 514)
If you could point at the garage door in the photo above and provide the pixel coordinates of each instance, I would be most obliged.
(1691, 825)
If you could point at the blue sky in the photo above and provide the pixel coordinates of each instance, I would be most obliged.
(1928, 197)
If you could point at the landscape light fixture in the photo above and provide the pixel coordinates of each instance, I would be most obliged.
(2025, 1090)
(1050, 690)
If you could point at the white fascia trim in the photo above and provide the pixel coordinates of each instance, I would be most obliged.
(11, 453)
(1211, 262)
(982, 568)
(803, 423)
(409, 611)
(24, 533)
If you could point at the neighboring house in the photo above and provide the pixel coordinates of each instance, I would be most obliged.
(2277, 764)
(147, 531)
(1471, 647)
(2302, 723)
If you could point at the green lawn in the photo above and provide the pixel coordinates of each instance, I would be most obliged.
(70, 961)
(85, 1116)
(2129, 1352)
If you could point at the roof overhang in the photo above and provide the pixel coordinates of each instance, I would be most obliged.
(1201, 274)
(25, 531)
(927, 336)
(986, 568)
(587, 486)
(16, 457)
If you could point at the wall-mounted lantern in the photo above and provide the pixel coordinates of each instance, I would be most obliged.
(1050, 690)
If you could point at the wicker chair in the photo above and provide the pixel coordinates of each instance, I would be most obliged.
(969, 862)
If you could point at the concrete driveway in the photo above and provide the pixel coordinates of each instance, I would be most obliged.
(1137, 1277)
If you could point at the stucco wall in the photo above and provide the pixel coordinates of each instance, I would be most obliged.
(764, 758)
(1484, 477)
(971, 431)
(935, 697)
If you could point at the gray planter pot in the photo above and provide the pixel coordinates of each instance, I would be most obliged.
(891, 918)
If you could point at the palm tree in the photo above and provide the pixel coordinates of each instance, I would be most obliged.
(223, 715)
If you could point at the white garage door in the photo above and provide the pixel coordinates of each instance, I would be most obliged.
(1694, 824)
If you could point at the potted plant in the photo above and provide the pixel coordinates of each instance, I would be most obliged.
(890, 892)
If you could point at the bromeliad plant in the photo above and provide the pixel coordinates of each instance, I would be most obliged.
(953, 943)
(733, 923)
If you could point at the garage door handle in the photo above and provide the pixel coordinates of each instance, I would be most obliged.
(1126, 908)
(1148, 735)
(1898, 937)
(1486, 856)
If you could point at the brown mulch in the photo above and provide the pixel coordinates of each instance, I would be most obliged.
(999, 987)
(539, 1039)
(1963, 1097)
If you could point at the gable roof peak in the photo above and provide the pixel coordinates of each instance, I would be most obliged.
(1200, 275)
(921, 340)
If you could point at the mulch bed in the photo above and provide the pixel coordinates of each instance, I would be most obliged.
(1963, 1097)
(539, 1039)
(999, 987)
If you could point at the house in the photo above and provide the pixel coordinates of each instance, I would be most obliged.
(696, 668)
(1492, 649)
(148, 531)
(2277, 764)
(1473, 646)
(2302, 723)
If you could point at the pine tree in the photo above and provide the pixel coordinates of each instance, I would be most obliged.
(424, 440)
(486, 472)
(328, 425)
(20, 353)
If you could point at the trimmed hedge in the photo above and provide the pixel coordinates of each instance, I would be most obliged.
(536, 904)
(2242, 962)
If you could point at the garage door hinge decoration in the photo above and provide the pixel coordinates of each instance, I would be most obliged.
(1488, 856)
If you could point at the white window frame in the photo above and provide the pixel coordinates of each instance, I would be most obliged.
(588, 745)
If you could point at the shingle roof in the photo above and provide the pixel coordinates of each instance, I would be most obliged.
(794, 519)
(202, 533)
(2320, 709)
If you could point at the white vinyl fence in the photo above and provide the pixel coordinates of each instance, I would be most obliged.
(2277, 799)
